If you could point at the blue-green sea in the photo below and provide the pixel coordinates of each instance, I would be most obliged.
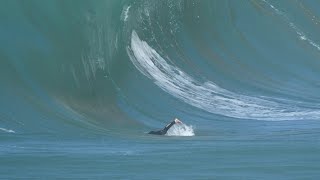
(83, 81)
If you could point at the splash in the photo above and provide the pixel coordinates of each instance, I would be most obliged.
(180, 130)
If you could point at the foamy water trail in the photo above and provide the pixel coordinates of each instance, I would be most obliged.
(180, 130)
(7, 130)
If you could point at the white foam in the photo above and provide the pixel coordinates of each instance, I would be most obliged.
(7, 130)
(298, 31)
(209, 96)
(180, 130)
(125, 13)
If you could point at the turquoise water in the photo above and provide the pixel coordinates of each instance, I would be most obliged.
(157, 158)
(81, 82)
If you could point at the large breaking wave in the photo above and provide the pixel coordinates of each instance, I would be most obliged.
(114, 65)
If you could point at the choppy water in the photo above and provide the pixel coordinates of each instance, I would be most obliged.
(81, 82)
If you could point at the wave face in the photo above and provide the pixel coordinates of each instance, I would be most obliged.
(114, 66)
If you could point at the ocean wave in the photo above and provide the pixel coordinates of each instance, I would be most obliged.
(115, 63)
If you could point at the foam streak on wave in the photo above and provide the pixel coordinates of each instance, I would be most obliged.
(209, 96)
(125, 12)
(7, 130)
(298, 31)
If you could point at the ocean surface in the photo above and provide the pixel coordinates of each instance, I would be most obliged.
(82, 82)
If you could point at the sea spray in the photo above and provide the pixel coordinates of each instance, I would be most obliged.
(180, 130)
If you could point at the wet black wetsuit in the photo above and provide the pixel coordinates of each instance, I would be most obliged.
(164, 130)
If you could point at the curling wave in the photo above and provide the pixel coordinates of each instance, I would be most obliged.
(119, 66)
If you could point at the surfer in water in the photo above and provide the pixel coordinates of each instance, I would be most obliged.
(165, 129)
